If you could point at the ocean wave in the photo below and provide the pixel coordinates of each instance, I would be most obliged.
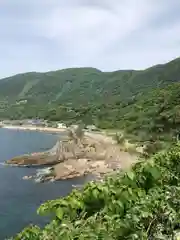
(2, 164)
(44, 171)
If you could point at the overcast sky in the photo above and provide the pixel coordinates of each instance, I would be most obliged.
(42, 35)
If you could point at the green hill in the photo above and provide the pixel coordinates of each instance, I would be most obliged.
(82, 93)
(85, 85)
(150, 115)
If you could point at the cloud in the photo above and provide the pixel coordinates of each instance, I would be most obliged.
(42, 35)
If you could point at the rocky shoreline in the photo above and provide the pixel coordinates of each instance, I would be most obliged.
(78, 155)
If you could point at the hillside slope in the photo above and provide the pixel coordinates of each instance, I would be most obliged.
(85, 85)
(155, 115)
(47, 94)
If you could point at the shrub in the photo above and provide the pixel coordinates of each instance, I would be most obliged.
(142, 203)
(152, 148)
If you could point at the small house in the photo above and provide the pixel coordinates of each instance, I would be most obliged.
(61, 125)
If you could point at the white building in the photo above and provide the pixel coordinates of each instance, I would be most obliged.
(61, 125)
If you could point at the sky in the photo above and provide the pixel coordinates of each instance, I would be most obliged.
(44, 35)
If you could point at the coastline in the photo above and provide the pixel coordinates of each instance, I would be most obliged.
(35, 128)
(96, 154)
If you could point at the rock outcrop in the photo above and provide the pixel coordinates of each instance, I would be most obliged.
(78, 155)
(39, 159)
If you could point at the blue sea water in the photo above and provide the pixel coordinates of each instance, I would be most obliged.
(19, 199)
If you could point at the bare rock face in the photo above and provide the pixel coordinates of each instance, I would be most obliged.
(71, 168)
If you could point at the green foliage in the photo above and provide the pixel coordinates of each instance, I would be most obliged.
(152, 148)
(144, 104)
(142, 203)
(83, 92)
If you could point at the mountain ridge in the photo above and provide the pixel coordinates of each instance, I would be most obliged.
(83, 86)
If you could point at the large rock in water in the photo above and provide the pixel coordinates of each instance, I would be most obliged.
(49, 157)
(34, 160)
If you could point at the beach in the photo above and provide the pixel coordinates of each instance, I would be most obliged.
(35, 128)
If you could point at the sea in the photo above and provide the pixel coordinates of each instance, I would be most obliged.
(19, 199)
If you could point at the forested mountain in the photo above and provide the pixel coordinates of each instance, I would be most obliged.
(109, 99)
(86, 85)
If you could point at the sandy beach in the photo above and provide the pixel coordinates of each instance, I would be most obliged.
(34, 128)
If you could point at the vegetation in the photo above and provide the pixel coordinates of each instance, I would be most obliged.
(142, 204)
(143, 103)
(152, 117)
(70, 93)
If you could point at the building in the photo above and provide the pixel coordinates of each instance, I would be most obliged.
(61, 125)
(37, 122)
